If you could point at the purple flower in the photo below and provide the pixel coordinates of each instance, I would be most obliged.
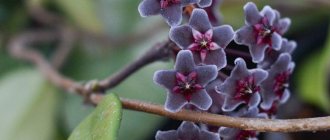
(262, 30)
(272, 55)
(187, 131)
(242, 86)
(217, 99)
(206, 43)
(237, 134)
(275, 86)
(171, 10)
(186, 84)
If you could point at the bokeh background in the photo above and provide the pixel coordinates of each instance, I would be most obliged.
(105, 35)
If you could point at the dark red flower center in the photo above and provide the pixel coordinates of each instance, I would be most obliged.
(203, 43)
(167, 3)
(264, 32)
(245, 89)
(186, 84)
(281, 83)
(245, 135)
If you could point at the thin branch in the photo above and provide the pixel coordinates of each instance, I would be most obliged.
(18, 49)
(159, 52)
(237, 53)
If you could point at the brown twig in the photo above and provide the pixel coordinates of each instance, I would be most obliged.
(18, 49)
(159, 52)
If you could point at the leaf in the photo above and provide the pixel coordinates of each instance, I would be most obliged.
(312, 78)
(28, 106)
(103, 123)
(83, 13)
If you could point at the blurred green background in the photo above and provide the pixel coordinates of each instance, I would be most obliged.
(109, 34)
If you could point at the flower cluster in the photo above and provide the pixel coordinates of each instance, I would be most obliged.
(203, 80)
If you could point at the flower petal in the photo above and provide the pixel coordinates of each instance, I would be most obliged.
(269, 13)
(167, 135)
(251, 12)
(149, 7)
(206, 74)
(184, 62)
(199, 20)
(276, 41)
(188, 130)
(165, 78)
(283, 25)
(182, 36)
(231, 104)
(174, 102)
(257, 53)
(172, 14)
(285, 96)
(201, 100)
(205, 135)
(227, 133)
(254, 100)
(245, 35)
(216, 57)
(259, 75)
(223, 35)
(204, 3)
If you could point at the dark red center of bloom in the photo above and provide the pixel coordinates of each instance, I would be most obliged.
(203, 43)
(245, 135)
(263, 32)
(245, 89)
(281, 83)
(186, 84)
(167, 3)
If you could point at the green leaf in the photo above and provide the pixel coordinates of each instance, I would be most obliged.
(28, 107)
(83, 13)
(312, 78)
(103, 123)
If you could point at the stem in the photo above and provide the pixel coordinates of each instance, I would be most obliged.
(237, 53)
(158, 52)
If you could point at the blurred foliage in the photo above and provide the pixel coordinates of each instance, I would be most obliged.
(312, 78)
(31, 104)
(103, 123)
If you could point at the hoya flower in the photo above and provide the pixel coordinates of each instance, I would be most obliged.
(270, 112)
(275, 87)
(272, 55)
(186, 83)
(187, 131)
(242, 86)
(206, 42)
(237, 134)
(171, 10)
(217, 99)
(263, 29)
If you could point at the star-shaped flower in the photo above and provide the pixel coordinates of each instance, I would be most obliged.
(171, 10)
(275, 87)
(242, 86)
(187, 131)
(206, 42)
(262, 30)
(272, 55)
(237, 134)
(186, 83)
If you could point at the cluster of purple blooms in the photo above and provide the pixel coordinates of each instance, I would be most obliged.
(198, 81)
